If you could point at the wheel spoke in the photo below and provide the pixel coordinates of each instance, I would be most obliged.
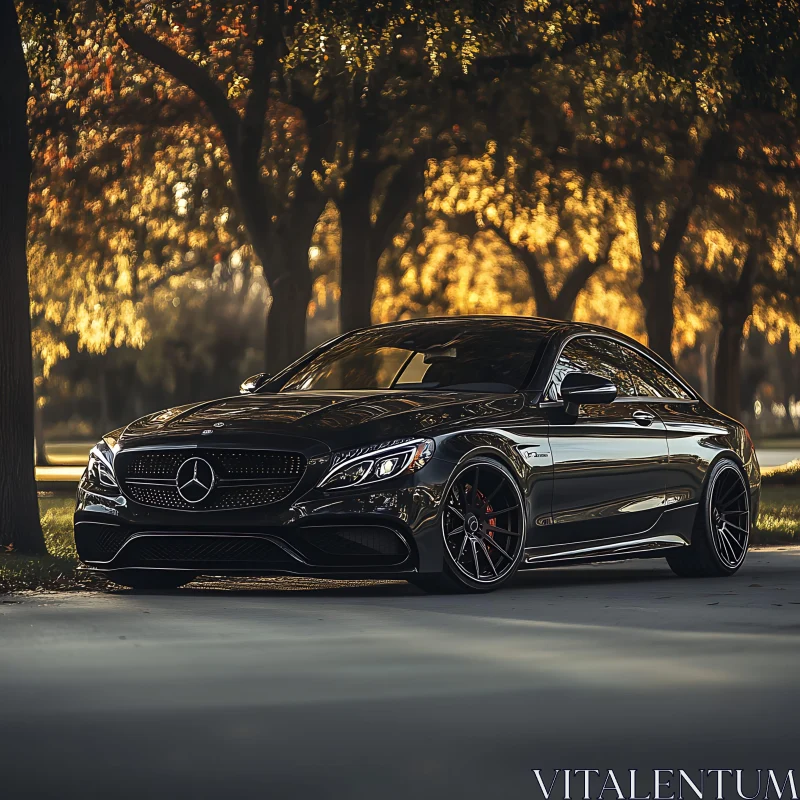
(732, 539)
(716, 537)
(459, 529)
(725, 546)
(488, 557)
(733, 513)
(455, 511)
(725, 502)
(494, 513)
(495, 529)
(463, 547)
(494, 492)
(738, 527)
(733, 544)
(463, 496)
(725, 488)
(497, 547)
(728, 539)
(475, 486)
(475, 558)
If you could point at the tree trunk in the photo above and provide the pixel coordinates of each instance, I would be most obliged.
(657, 293)
(727, 370)
(359, 264)
(19, 509)
(735, 308)
(291, 294)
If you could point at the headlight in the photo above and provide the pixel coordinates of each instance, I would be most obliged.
(377, 463)
(100, 471)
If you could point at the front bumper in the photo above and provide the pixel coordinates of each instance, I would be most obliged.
(386, 530)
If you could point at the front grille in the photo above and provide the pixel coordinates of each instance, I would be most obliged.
(162, 464)
(252, 464)
(229, 464)
(220, 498)
(205, 549)
(242, 478)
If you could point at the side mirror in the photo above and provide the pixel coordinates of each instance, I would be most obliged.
(583, 387)
(254, 383)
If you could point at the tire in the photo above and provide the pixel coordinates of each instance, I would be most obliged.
(150, 580)
(482, 520)
(721, 532)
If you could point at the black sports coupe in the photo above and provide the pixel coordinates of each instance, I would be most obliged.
(447, 452)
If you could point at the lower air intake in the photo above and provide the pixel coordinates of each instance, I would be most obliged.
(356, 541)
(98, 542)
(164, 549)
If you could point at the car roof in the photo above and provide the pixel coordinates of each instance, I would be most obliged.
(537, 324)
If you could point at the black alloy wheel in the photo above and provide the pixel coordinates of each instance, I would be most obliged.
(483, 527)
(722, 530)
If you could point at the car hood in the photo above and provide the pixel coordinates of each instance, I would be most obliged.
(338, 419)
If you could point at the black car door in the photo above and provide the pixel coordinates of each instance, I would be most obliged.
(689, 428)
(610, 462)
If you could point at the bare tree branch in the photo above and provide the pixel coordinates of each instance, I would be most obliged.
(188, 73)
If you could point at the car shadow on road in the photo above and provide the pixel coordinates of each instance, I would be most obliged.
(568, 577)
(529, 580)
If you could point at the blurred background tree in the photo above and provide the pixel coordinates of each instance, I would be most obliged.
(197, 165)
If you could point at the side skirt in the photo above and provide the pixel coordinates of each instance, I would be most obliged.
(661, 537)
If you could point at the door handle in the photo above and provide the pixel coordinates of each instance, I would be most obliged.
(643, 417)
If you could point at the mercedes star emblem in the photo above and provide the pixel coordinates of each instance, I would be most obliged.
(195, 480)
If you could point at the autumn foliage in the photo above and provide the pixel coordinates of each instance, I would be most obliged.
(629, 163)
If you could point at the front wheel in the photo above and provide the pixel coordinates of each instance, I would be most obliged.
(483, 530)
(721, 532)
(152, 580)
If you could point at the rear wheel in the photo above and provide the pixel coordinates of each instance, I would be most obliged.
(150, 579)
(483, 530)
(721, 532)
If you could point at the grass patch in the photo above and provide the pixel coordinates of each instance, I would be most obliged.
(779, 515)
(784, 475)
(58, 569)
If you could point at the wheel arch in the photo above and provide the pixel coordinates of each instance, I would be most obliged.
(506, 460)
(534, 481)
(733, 456)
(730, 455)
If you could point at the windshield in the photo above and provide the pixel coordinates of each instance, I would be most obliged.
(483, 358)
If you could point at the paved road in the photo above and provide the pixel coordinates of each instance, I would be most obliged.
(289, 691)
(778, 457)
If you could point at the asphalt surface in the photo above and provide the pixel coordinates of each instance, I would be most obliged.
(776, 457)
(293, 689)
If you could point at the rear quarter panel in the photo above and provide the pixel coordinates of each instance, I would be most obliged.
(697, 435)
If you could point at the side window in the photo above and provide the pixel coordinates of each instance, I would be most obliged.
(650, 380)
(596, 355)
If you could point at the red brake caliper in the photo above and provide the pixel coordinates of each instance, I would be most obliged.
(492, 520)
